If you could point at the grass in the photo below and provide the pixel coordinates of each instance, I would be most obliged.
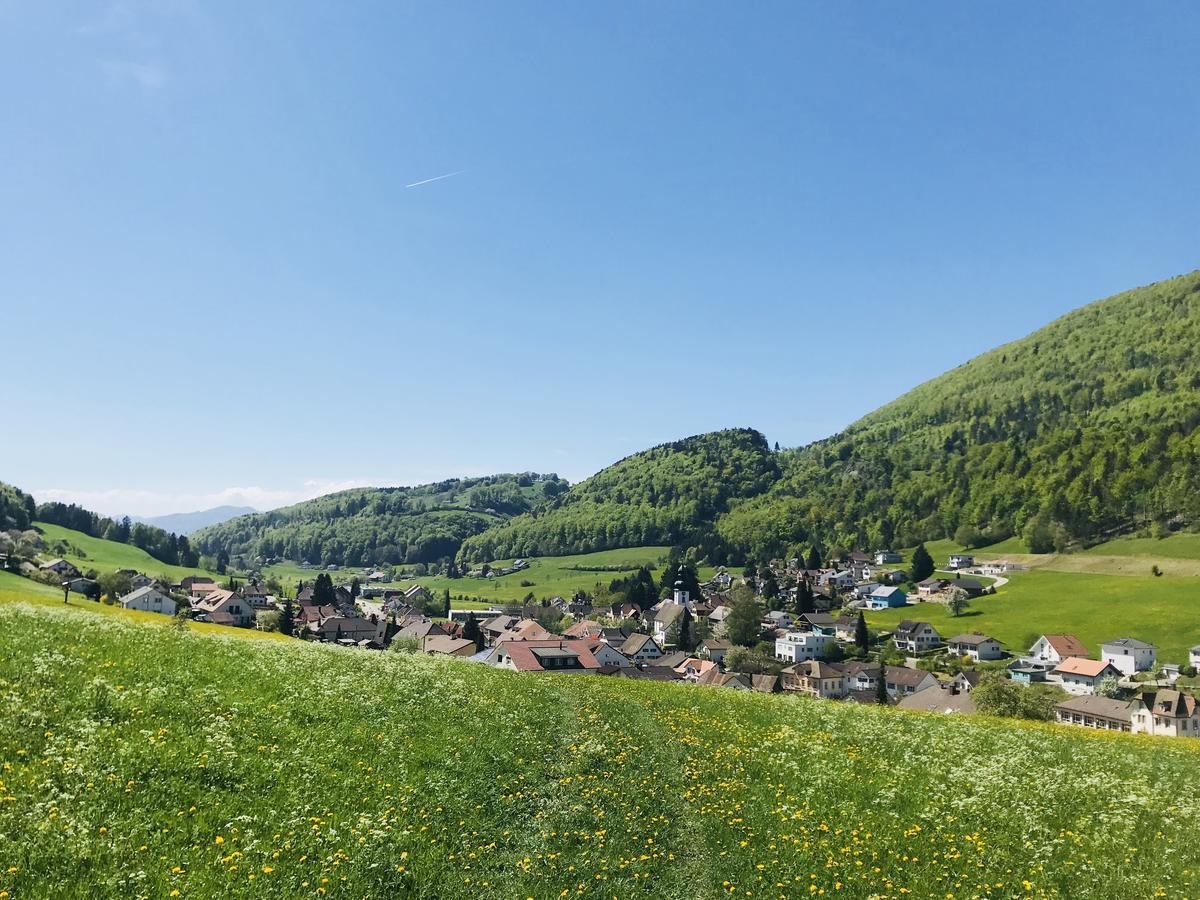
(14, 588)
(143, 761)
(1163, 611)
(108, 556)
(1176, 555)
(552, 576)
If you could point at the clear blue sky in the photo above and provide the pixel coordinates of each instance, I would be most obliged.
(669, 218)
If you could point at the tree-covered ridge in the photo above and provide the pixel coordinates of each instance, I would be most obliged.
(17, 509)
(363, 526)
(669, 494)
(1086, 425)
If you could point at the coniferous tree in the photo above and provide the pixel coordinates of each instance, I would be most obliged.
(446, 603)
(685, 631)
(805, 602)
(355, 588)
(472, 632)
(814, 558)
(861, 637)
(881, 691)
(922, 564)
(287, 619)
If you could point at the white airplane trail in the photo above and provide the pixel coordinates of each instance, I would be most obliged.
(435, 178)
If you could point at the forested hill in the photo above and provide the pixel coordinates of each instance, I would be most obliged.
(670, 494)
(382, 525)
(1087, 425)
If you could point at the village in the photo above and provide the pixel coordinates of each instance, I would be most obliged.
(809, 639)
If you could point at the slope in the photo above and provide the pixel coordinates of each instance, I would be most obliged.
(143, 761)
(366, 526)
(1084, 427)
(669, 494)
(87, 552)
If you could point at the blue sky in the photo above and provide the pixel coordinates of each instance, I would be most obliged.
(669, 218)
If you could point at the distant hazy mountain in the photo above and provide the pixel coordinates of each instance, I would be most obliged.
(186, 523)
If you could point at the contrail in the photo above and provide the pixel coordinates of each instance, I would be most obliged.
(436, 178)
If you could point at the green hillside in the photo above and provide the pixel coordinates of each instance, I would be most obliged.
(370, 526)
(87, 552)
(670, 494)
(144, 761)
(1085, 425)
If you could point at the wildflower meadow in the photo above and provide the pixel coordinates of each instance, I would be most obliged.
(145, 761)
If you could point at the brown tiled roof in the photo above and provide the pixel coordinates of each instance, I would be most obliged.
(1066, 645)
(525, 659)
(1075, 665)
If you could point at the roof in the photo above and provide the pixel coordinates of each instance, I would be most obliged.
(939, 700)
(886, 591)
(635, 643)
(908, 626)
(974, 638)
(716, 644)
(1065, 644)
(526, 656)
(668, 613)
(1091, 705)
(905, 676)
(672, 659)
(530, 630)
(816, 618)
(1088, 668)
(422, 629)
(441, 643)
(768, 684)
(716, 678)
(815, 668)
(1129, 644)
(1171, 703)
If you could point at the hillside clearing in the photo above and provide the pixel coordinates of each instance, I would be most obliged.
(108, 556)
(141, 761)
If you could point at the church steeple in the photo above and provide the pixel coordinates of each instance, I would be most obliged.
(681, 596)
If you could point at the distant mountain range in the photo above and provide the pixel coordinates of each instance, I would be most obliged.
(186, 523)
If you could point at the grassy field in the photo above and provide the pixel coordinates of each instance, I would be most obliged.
(1177, 555)
(551, 575)
(148, 762)
(108, 556)
(1164, 611)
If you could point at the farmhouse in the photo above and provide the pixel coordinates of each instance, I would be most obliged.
(1166, 712)
(149, 599)
(1054, 648)
(915, 637)
(1129, 655)
(60, 567)
(1082, 676)
(975, 645)
(1094, 712)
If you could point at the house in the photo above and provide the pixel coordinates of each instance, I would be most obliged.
(715, 649)
(887, 558)
(60, 567)
(671, 660)
(968, 586)
(999, 567)
(416, 593)
(1129, 655)
(886, 597)
(421, 629)
(1094, 712)
(1054, 648)
(960, 561)
(650, 673)
(838, 580)
(138, 580)
(714, 677)
(823, 623)
(931, 586)
(1082, 676)
(187, 583)
(149, 599)
(668, 616)
(225, 608)
(1194, 657)
(903, 681)
(940, 700)
(815, 678)
(1165, 712)
(444, 645)
(975, 645)
(544, 656)
(777, 618)
(640, 649)
(863, 589)
(798, 646)
(81, 585)
(765, 684)
(965, 681)
(349, 630)
(860, 676)
(845, 629)
(1027, 673)
(607, 655)
(693, 668)
(915, 637)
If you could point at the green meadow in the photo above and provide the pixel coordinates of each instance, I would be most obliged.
(143, 761)
(108, 556)
(1164, 611)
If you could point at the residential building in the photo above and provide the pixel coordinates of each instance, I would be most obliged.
(1094, 712)
(931, 586)
(640, 649)
(887, 558)
(886, 597)
(1054, 648)
(444, 645)
(975, 645)
(815, 621)
(965, 681)
(960, 561)
(224, 608)
(939, 699)
(902, 681)
(149, 599)
(1129, 655)
(815, 678)
(715, 649)
(798, 646)
(60, 567)
(1083, 676)
(860, 676)
(693, 668)
(544, 656)
(608, 655)
(968, 586)
(1165, 712)
(916, 637)
(1194, 657)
